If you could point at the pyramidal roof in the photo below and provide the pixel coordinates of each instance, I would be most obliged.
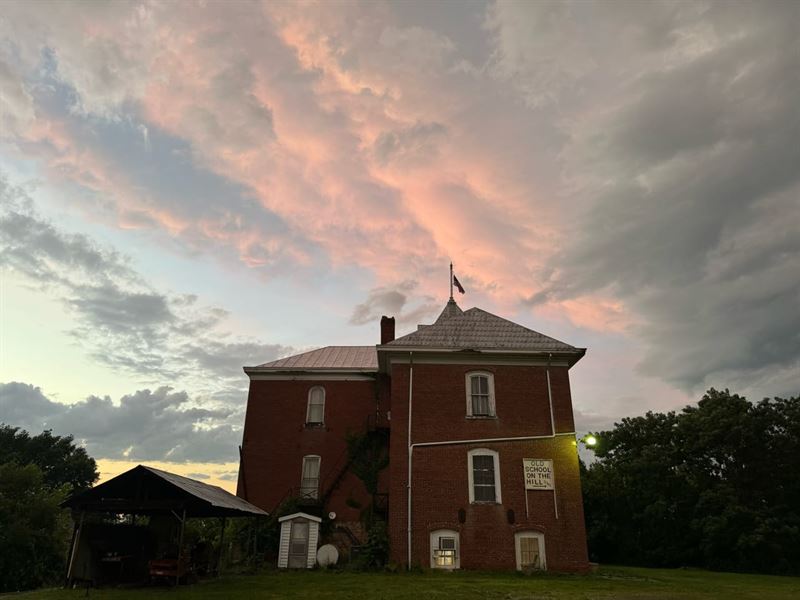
(451, 309)
(476, 329)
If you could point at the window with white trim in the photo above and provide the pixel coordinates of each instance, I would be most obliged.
(315, 413)
(530, 550)
(444, 549)
(480, 395)
(484, 475)
(309, 482)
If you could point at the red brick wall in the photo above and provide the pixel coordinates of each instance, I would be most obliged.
(440, 477)
(276, 439)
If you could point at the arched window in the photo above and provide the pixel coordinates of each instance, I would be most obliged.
(480, 395)
(445, 549)
(484, 476)
(309, 478)
(530, 550)
(315, 413)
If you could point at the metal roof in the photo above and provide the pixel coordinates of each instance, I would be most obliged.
(454, 329)
(212, 494)
(476, 329)
(145, 490)
(345, 358)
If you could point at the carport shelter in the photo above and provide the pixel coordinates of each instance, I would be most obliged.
(167, 500)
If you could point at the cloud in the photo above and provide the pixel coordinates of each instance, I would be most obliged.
(120, 320)
(16, 101)
(146, 425)
(412, 145)
(592, 421)
(228, 475)
(689, 192)
(392, 302)
(640, 177)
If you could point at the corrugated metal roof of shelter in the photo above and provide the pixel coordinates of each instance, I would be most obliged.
(212, 494)
(479, 330)
(362, 358)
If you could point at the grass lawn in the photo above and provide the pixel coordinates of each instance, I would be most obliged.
(608, 582)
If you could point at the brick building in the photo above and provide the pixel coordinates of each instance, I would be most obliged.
(491, 456)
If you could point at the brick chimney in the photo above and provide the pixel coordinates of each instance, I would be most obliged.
(387, 329)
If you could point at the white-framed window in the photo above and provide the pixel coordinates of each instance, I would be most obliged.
(315, 413)
(530, 550)
(480, 394)
(484, 475)
(445, 549)
(309, 482)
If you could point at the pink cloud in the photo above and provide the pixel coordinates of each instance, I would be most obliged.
(294, 105)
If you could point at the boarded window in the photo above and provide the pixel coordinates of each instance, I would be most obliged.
(483, 480)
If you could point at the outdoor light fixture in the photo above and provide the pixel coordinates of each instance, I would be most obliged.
(590, 441)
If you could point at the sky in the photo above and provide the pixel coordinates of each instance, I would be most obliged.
(190, 187)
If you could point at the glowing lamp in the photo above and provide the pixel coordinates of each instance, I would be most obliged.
(590, 440)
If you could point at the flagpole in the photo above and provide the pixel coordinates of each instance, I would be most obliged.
(451, 281)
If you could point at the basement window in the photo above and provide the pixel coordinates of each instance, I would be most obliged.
(530, 550)
(444, 549)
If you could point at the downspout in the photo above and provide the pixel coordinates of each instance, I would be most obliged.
(553, 430)
(410, 451)
(550, 397)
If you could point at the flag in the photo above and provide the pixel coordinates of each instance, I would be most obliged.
(458, 284)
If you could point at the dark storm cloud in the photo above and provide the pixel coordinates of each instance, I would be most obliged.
(694, 195)
(119, 319)
(24, 405)
(392, 301)
(145, 425)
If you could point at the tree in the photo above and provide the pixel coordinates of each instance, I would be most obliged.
(34, 531)
(36, 474)
(59, 458)
(712, 486)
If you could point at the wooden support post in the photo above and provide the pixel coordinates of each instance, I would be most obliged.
(256, 529)
(221, 545)
(76, 538)
(71, 557)
(180, 550)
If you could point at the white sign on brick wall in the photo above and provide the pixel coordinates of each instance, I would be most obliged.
(538, 474)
